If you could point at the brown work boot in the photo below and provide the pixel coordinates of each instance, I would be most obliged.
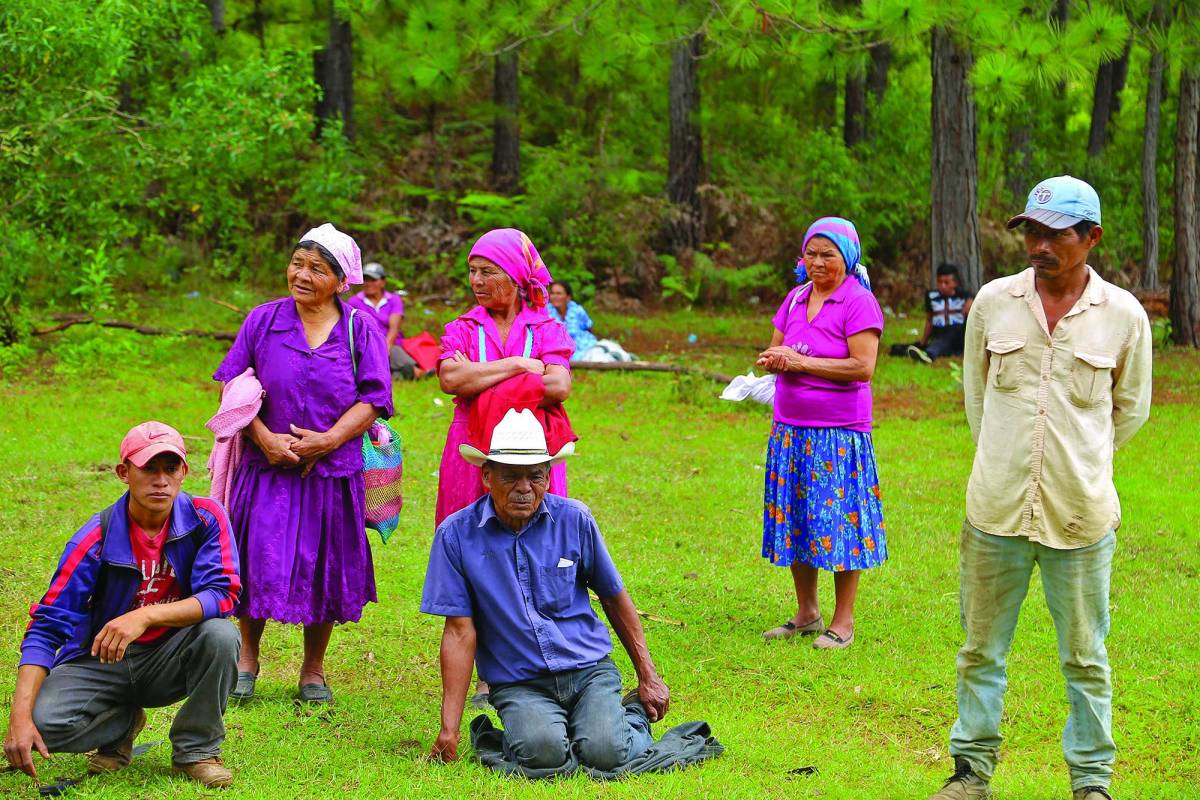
(117, 756)
(1091, 793)
(964, 784)
(210, 772)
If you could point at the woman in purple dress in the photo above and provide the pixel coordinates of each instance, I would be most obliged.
(297, 499)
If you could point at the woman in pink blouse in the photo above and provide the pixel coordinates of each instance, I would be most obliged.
(506, 334)
(822, 505)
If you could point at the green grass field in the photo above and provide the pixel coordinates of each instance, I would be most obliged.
(674, 477)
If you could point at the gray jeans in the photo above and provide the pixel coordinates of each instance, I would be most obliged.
(401, 362)
(85, 705)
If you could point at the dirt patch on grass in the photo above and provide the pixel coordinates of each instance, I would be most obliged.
(915, 404)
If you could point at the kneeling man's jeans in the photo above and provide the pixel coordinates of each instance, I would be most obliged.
(994, 573)
(85, 705)
(544, 718)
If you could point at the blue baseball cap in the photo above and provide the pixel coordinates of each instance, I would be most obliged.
(1059, 203)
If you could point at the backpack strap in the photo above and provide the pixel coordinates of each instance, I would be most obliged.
(350, 339)
(796, 297)
(483, 343)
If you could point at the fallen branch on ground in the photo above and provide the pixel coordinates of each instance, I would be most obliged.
(651, 366)
(656, 618)
(67, 320)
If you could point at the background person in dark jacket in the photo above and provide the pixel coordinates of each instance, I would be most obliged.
(139, 592)
(946, 309)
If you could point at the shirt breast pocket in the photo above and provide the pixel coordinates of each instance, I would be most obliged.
(1091, 379)
(1007, 355)
(555, 589)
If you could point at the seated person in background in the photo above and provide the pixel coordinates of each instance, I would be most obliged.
(946, 309)
(579, 325)
(386, 310)
(132, 619)
(511, 573)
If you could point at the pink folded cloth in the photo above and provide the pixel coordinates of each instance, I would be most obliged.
(240, 401)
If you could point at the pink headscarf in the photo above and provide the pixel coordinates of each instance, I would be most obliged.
(511, 251)
(343, 249)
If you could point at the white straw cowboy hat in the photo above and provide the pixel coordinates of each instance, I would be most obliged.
(518, 439)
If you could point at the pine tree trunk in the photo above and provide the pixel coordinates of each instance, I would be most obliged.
(333, 68)
(1019, 164)
(259, 23)
(506, 136)
(216, 15)
(1060, 13)
(854, 127)
(1106, 100)
(823, 104)
(1149, 278)
(877, 76)
(685, 159)
(1185, 282)
(954, 216)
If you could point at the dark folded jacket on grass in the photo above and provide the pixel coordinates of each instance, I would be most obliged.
(680, 747)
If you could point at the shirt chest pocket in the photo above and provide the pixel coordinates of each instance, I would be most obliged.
(1091, 378)
(555, 589)
(1007, 362)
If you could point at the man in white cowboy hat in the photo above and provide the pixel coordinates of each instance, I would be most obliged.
(511, 574)
(1056, 376)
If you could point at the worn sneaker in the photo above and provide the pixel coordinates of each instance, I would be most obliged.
(917, 354)
(118, 755)
(964, 784)
(210, 772)
(1091, 793)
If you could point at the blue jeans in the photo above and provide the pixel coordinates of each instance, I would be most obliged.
(994, 572)
(546, 718)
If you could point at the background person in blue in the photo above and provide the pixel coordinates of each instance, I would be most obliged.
(563, 308)
(511, 574)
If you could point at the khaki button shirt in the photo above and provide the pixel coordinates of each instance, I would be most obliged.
(1047, 411)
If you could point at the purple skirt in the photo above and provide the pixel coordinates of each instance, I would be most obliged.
(302, 546)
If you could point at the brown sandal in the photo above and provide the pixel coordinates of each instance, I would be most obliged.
(831, 641)
(789, 629)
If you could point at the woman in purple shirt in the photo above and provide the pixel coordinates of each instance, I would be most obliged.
(822, 499)
(297, 500)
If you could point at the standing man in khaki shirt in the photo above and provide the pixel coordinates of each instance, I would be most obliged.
(1056, 376)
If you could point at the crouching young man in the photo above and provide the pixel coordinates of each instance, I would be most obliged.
(132, 619)
(511, 574)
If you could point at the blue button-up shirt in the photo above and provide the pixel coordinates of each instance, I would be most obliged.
(526, 592)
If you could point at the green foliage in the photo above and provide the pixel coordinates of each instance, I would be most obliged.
(1160, 330)
(135, 125)
(95, 289)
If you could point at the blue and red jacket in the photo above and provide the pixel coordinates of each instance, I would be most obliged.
(97, 578)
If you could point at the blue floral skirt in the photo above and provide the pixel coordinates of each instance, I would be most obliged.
(822, 504)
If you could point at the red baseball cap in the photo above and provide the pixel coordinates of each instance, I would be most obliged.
(145, 441)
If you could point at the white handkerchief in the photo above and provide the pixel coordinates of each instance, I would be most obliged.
(566, 562)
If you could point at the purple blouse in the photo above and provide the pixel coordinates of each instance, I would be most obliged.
(310, 387)
(551, 342)
(809, 401)
(392, 304)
